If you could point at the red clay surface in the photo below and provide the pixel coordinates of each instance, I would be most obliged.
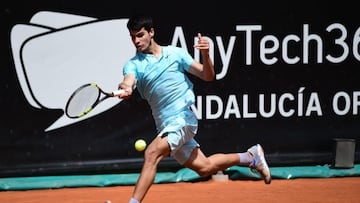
(322, 190)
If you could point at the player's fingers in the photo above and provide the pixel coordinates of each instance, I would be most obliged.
(202, 43)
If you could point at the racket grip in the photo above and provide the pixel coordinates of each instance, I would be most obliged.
(118, 92)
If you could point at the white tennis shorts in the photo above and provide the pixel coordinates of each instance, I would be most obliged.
(181, 132)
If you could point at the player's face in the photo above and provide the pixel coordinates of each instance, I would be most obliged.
(142, 39)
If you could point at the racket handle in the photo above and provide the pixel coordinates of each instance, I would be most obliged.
(118, 92)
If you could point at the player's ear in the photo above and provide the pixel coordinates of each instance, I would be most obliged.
(152, 32)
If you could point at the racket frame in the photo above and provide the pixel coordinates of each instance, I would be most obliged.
(96, 102)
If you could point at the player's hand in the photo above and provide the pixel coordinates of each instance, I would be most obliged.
(203, 44)
(127, 91)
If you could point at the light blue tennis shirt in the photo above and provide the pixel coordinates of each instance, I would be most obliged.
(164, 84)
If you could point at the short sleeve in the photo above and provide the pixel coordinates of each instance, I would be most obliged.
(180, 55)
(129, 68)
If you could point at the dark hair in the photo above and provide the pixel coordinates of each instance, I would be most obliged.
(140, 21)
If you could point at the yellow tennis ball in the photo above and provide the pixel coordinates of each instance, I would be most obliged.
(140, 145)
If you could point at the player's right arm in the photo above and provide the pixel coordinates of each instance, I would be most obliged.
(128, 85)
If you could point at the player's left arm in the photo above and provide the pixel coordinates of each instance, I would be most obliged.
(204, 71)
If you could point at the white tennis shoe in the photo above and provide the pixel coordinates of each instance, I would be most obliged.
(259, 163)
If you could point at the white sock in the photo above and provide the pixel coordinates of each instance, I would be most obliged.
(132, 200)
(245, 158)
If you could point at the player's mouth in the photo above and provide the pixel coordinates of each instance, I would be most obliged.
(138, 47)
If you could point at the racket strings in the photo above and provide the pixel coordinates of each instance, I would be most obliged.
(83, 101)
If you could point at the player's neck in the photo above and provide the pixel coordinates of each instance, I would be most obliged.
(155, 49)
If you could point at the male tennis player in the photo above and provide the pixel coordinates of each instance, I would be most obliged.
(159, 74)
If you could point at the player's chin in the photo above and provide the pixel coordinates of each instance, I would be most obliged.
(139, 48)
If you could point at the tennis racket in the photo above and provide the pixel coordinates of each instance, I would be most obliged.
(85, 98)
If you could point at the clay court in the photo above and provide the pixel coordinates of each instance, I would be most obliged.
(324, 190)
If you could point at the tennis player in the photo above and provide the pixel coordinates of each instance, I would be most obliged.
(159, 73)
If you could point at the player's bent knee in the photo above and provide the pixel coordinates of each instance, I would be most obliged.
(204, 172)
(203, 168)
(150, 155)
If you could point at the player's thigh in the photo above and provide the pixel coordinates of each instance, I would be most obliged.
(197, 160)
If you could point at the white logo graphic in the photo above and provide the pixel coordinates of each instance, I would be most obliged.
(56, 53)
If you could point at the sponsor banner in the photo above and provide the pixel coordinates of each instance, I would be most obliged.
(287, 77)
